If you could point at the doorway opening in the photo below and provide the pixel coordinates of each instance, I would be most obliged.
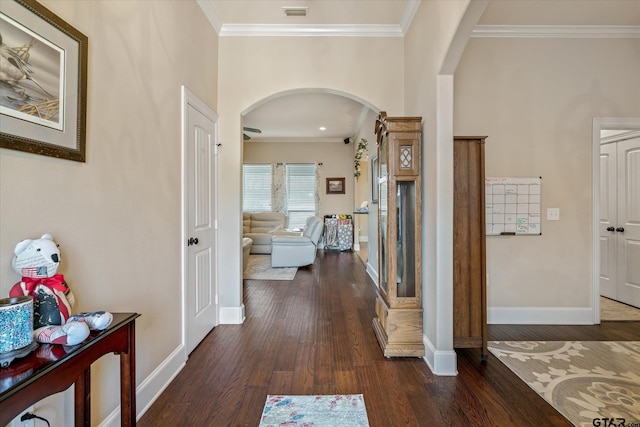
(601, 125)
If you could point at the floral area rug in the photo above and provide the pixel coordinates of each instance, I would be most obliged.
(315, 411)
(586, 381)
(259, 268)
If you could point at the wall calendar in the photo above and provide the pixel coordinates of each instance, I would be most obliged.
(512, 206)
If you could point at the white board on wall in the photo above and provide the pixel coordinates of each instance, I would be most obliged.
(513, 206)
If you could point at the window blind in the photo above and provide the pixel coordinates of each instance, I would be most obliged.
(301, 200)
(256, 187)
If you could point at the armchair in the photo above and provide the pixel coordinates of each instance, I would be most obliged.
(297, 250)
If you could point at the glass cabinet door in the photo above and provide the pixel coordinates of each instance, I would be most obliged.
(383, 215)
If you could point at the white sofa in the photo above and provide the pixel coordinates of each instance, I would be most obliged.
(260, 227)
(290, 250)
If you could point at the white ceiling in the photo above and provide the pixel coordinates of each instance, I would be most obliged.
(299, 116)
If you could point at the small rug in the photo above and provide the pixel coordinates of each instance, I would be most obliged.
(586, 381)
(259, 268)
(315, 411)
(611, 310)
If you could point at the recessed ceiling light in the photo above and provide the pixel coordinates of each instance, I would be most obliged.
(322, 128)
(295, 10)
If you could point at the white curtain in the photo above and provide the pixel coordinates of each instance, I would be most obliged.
(279, 188)
(316, 193)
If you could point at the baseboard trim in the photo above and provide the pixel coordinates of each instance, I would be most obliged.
(540, 315)
(152, 386)
(372, 273)
(441, 363)
(232, 315)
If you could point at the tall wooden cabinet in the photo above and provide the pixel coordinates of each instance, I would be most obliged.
(398, 321)
(469, 253)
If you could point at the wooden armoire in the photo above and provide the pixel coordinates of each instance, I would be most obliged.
(469, 253)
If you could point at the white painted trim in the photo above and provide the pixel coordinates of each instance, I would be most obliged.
(443, 338)
(232, 315)
(152, 387)
(557, 31)
(211, 14)
(364, 238)
(408, 14)
(540, 315)
(371, 271)
(330, 30)
(442, 363)
(620, 137)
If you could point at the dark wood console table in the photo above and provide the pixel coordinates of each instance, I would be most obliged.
(49, 369)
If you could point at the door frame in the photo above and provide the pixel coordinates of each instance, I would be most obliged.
(599, 124)
(188, 98)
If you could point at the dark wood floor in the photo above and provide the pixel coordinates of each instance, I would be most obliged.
(313, 335)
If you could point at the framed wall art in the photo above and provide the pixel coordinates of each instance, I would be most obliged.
(335, 185)
(43, 84)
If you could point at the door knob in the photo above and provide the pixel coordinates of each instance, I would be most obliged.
(192, 241)
(620, 229)
(611, 229)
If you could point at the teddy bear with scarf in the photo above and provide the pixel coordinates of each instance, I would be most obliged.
(37, 261)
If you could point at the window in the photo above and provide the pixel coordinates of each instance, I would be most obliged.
(301, 198)
(256, 188)
(287, 188)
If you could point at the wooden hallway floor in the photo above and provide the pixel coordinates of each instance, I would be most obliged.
(313, 335)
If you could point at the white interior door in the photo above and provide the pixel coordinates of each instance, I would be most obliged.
(201, 297)
(628, 226)
(608, 220)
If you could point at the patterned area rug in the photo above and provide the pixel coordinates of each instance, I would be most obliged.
(585, 381)
(315, 411)
(259, 268)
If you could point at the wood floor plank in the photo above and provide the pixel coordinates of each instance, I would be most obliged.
(314, 335)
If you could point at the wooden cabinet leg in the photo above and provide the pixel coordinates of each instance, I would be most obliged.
(82, 399)
(128, 382)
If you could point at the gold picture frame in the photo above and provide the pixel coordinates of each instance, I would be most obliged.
(43, 103)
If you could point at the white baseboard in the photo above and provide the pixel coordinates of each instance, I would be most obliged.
(232, 315)
(540, 315)
(372, 273)
(364, 238)
(152, 386)
(441, 363)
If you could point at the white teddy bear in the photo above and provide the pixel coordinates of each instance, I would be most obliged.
(37, 262)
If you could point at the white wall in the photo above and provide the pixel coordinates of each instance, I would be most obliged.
(536, 99)
(255, 68)
(117, 217)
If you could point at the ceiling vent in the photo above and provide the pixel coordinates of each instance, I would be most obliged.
(295, 11)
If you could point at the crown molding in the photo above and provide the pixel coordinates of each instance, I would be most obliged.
(211, 14)
(409, 13)
(556, 31)
(262, 30)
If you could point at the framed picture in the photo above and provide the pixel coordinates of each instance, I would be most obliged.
(335, 185)
(374, 179)
(43, 85)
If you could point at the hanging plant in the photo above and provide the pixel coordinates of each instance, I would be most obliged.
(362, 145)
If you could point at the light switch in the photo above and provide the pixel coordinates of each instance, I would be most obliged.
(553, 214)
